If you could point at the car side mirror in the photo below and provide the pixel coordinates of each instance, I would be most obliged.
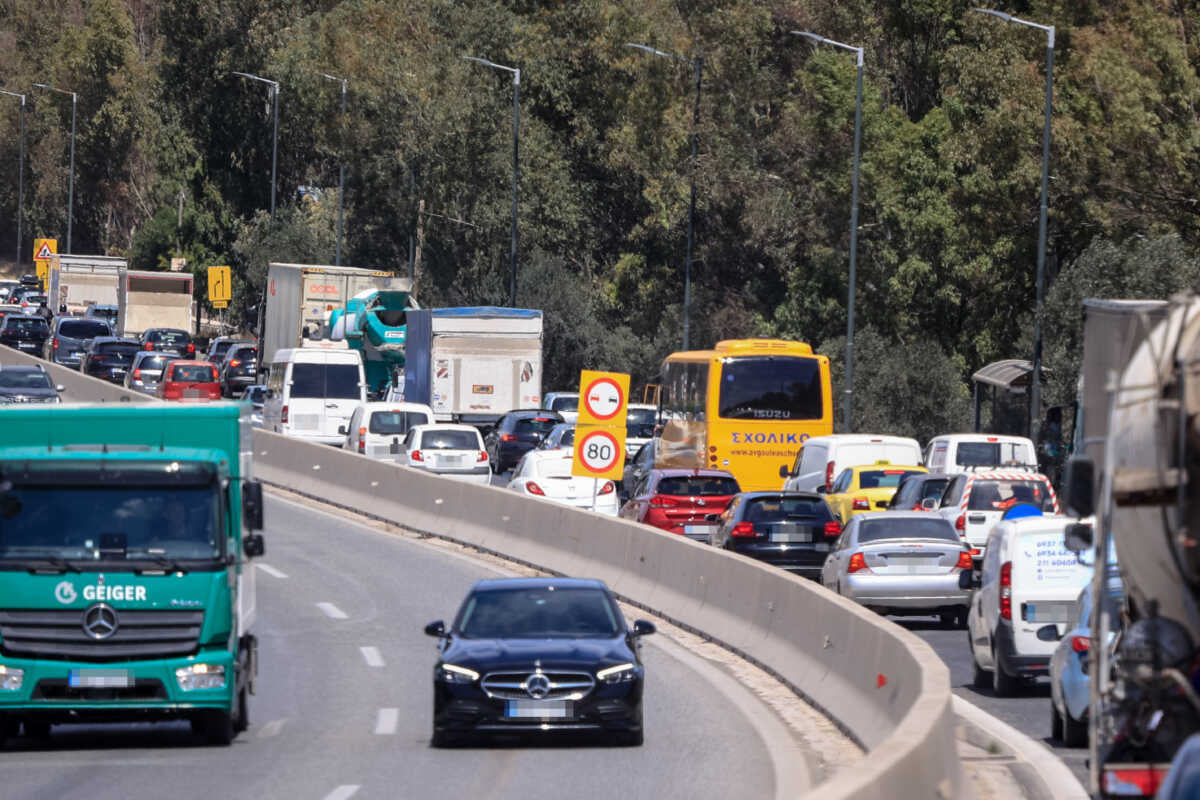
(437, 628)
(784, 471)
(712, 517)
(1079, 485)
(968, 579)
(60, 388)
(821, 489)
(341, 430)
(928, 504)
(1048, 633)
(1078, 537)
(254, 545)
(252, 505)
(644, 627)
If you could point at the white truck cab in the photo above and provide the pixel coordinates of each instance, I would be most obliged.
(1029, 581)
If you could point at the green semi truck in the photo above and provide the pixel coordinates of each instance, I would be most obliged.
(126, 592)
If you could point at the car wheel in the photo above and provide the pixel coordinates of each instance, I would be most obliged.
(1056, 722)
(219, 728)
(242, 722)
(443, 738)
(629, 738)
(1074, 733)
(980, 678)
(1003, 684)
(37, 729)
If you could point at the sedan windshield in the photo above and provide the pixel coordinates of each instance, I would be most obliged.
(928, 527)
(110, 522)
(538, 613)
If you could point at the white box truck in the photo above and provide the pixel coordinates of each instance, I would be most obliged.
(154, 300)
(474, 364)
(300, 298)
(76, 282)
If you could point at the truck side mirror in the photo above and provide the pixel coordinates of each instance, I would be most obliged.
(1079, 485)
(253, 545)
(1078, 538)
(252, 505)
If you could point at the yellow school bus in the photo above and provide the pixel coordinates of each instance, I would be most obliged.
(746, 407)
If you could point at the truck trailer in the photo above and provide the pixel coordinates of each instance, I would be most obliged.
(75, 282)
(128, 594)
(154, 300)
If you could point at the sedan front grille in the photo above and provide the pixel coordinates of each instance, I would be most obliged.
(515, 685)
(59, 635)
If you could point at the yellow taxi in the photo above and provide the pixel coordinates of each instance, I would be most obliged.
(866, 487)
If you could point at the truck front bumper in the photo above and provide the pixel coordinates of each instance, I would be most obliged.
(67, 691)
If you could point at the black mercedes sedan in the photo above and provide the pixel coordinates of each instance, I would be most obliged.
(529, 655)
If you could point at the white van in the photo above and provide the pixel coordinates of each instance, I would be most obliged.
(822, 458)
(963, 452)
(378, 429)
(312, 392)
(1029, 581)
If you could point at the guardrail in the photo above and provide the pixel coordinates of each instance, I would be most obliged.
(884, 686)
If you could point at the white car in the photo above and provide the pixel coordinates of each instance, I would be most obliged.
(376, 429)
(547, 474)
(453, 451)
(639, 426)
(565, 403)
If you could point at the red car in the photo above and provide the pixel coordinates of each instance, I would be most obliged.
(683, 501)
(189, 380)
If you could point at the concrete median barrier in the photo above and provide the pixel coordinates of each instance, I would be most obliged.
(885, 687)
(77, 387)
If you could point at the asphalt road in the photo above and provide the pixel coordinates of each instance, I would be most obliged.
(344, 702)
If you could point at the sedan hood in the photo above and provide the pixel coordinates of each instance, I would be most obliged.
(489, 655)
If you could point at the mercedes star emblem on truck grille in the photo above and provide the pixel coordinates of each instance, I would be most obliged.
(100, 621)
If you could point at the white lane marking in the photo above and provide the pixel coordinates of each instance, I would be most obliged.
(272, 728)
(387, 721)
(332, 611)
(343, 792)
(267, 568)
(372, 656)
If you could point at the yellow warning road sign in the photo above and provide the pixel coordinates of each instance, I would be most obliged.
(43, 249)
(220, 286)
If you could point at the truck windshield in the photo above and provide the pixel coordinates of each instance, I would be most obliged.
(110, 523)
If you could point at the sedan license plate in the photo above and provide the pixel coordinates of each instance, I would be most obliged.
(700, 529)
(100, 678)
(450, 461)
(537, 709)
(789, 537)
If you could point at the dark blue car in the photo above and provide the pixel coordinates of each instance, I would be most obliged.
(516, 433)
(538, 655)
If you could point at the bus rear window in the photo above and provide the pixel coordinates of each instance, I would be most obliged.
(771, 387)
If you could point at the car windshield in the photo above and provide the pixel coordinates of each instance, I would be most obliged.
(538, 613)
(773, 509)
(564, 404)
(193, 373)
(1001, 495)
(24, 380)
(449, 440)
(882, 478)
(26, 325)
(389, 423)
(771, 387)
(534, 425)
(337, 381)
(917, 527)
(110, 522)
(697, 486)
(83, 328)
(168, 337)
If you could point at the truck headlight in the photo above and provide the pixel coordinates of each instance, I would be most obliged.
(11, 678)
(617, 674)
(452, 673)
(201, 676)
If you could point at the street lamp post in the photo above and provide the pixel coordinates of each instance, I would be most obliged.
(341, 175)
(1035, 386)
(516, 73)
(697, 65)
(275, 136)
(71, 173)
(848, 392)
(20, 173)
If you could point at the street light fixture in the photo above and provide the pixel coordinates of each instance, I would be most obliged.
(848, 391)
(697, 65)
(71, 173)
(516, 73)
(20, 173)
(275, 136)
(1035, 386)
(341, 174)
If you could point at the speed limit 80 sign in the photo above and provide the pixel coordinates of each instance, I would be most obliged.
(599, 452)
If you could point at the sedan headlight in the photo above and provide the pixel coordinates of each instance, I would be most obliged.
(452, 673)
(617, 674)
(11, 678)
(201, 676)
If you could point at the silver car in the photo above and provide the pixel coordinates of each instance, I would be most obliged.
(904, 563)
(146, 370)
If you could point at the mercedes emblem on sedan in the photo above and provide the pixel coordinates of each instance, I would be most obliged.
(537, 685)
(100, 621)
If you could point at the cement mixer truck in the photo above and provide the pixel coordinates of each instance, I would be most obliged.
(1137, 467)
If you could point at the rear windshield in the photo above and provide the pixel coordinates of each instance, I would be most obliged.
(926, 527)
(535, 425)
(25, 380)
(449, 440)
(26, 325)
(244, 354)
(775, 509)
(338, 381)
(989, 454)
(1001, 495)
(567, 438)
(771, 387)
(564, 404)
(154, 363)
(395, 422)
(168, 337)
(697, 486)
(118, 348)
(83, 329)
(193, 373)
(882, 478)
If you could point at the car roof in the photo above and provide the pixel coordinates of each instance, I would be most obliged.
(797, 495)
(22, 316)
(498, 584)
(442, 426)
(1015, 475)
(867, 516)
(180, 362)
(107, 339)
(532, 412)
(675, 472)
(886, 465)
(398, 405)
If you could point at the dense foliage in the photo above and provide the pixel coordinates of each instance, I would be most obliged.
(950, 167)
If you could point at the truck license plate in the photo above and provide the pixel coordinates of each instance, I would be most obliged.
(537, 709)
(100, 678)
